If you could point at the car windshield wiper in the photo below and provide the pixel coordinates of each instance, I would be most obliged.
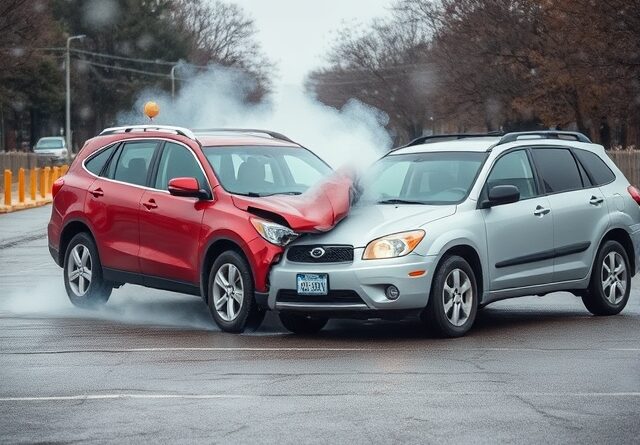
(263, 195)
(399, 201)
(282, 193)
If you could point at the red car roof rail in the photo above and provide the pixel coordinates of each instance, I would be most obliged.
(249, 131)
(131, 128)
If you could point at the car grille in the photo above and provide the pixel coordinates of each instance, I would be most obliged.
(334, 296)
(333, 254)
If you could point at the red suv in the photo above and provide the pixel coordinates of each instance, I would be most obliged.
(204, 213)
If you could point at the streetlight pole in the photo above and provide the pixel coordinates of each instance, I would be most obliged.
(67, 64)
(173, 82)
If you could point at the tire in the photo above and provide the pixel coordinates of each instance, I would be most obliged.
(82, 272)
(462, 304)
(302, 324)
(612, 297)
(243, 313)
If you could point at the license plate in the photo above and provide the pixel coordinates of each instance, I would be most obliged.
(312, 284)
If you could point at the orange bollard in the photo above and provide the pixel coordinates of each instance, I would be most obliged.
(47, 183)
(51, 178)
(7, 187)
(64, 169)
(33, 188)
(21, 185)
(56, 175)
(43, 182)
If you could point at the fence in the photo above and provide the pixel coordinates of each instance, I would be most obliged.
(15, 161)
(629, 162)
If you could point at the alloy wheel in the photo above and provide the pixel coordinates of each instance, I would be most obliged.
(228, 292)
(614, 277)
(457, 296)
(79, 271)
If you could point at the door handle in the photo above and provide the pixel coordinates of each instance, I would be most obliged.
(150, 204)
(541, 211)
(595, 200)
(97, 193)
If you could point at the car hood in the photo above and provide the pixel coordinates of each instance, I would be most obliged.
(319, 209)
(368, 222)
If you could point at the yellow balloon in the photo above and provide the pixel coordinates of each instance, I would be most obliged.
(151, 109)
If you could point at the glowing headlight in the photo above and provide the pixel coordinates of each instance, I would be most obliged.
(274, 233)
(393, 246)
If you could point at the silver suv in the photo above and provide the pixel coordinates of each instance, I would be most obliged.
(448, 224)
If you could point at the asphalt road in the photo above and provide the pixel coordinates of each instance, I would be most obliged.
(151, 366)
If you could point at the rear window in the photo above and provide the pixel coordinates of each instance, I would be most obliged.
(96, 163)
(599, 172)
(558, 170)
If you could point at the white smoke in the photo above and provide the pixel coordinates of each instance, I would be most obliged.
(354, 135)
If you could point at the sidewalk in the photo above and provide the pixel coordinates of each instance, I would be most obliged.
(31, 224)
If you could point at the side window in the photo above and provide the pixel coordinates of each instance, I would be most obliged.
(134, 162)
(177, 162)
(96, 163)
(514, 169)
(557, 169)
(598, 170)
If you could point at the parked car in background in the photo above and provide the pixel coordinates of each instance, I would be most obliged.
(52, 147)
(449, 224)
(203, 213)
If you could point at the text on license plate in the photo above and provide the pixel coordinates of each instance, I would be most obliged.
(312, 284)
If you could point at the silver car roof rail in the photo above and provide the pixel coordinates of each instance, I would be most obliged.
(551, 134)
(131, 128)
(249, 131)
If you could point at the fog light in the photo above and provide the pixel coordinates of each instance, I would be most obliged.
(392, 292)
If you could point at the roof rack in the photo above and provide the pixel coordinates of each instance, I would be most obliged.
(130, 128)
(440, 137)
(269, 133)
(564, 135)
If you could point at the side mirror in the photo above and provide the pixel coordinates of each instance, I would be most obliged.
(188, 188)
(502, 194)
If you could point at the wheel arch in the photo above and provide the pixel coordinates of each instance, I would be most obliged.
(621, 236)
(214, 248)
(471, 255)
(71, 229)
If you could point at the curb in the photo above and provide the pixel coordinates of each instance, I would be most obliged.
(28, 204)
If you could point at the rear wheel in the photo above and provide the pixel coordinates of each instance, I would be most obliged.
(83, 278)
(453, 303)
(302, 324)
(231, 294)
(610, 284)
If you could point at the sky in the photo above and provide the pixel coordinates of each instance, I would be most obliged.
(297, 34)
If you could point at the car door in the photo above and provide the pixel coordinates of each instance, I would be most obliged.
(170, 225)
(520, 234)
(113, 203)
(580, 213)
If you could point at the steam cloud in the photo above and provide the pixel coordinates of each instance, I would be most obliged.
(354, 135)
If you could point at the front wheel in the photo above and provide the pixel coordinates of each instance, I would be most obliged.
(231, 294)
(83, 278)
(453, 303)
(610, 284)
(302, 324)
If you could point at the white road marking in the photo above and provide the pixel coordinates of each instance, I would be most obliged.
(307, 349)
(83, 397)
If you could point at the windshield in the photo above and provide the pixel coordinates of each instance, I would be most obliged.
(437, 178)
(265, 171)
(48, 143)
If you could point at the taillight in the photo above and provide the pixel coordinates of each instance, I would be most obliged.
(57, 185)
(635, 194)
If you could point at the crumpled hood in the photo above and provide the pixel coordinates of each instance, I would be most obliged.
(319, 209)
(368, 222)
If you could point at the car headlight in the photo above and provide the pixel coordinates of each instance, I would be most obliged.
(274, 233)
(63, 153)
(393, 246)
